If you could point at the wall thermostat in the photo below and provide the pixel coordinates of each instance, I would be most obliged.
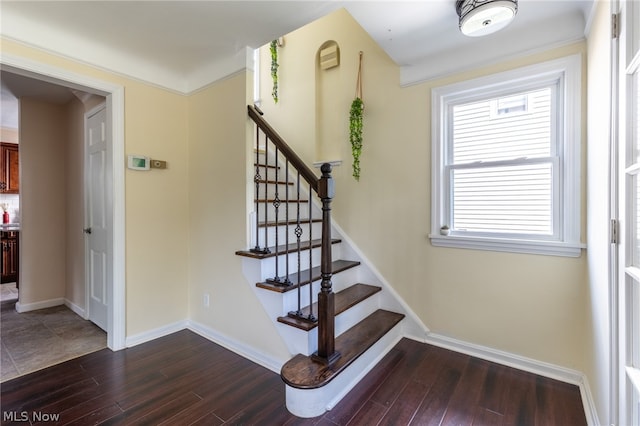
(139, 162)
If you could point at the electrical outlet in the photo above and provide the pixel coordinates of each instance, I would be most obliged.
(205, 300)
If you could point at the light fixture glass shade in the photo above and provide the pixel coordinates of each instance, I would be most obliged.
(482, 17)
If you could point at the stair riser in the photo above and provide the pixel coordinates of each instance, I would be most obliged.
(283, 231)
(285, 208)
(299, 341)
(269, 265)
(271, 161)
(283, 190)
(290, 298)
(354, 315)
(307, 342)
(308, 403)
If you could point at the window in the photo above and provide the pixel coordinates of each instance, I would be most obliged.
(506, 161)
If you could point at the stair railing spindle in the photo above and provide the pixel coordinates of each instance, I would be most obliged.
(298, 232)
(311, 317)
(276, 205)
(287, 280)
(266, 194)
(256, 179)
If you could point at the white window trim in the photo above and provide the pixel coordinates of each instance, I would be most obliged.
(569, 69)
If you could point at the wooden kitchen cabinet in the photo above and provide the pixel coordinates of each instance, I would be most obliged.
(9, 246)
(9, 168)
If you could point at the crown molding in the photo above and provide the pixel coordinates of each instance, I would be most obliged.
(52, 41)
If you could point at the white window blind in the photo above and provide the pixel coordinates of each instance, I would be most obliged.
(502, 171)
(506, 161)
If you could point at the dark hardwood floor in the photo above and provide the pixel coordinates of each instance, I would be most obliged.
(184, 379)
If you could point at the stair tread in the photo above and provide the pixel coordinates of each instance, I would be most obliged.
(271, 200)
(282, 249)
(344, 300)
(336, 266)
(303, 372)
(273, 182)
(270, 166)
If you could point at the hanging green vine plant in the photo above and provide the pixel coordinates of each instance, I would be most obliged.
(355, 124)
(274, 69)
(355, 134)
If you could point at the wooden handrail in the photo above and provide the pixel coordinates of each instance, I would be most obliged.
(285, 149)
(324, 188)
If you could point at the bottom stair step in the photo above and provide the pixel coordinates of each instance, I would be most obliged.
(303, 373)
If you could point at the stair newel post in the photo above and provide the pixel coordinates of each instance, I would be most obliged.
(326, 298)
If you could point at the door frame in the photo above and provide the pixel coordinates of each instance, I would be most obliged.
(626, 344)
(114, 94)
(614, 217)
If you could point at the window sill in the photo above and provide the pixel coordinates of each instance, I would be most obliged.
(550, 248)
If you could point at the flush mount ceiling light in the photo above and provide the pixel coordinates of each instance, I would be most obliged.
(482, 17)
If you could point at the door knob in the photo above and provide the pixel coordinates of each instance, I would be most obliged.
(87, 230)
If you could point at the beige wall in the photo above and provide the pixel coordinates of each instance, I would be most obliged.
(156, 201)
(43, 135)
(217, 218)
(156, 209)
(524, 304)
(60, 183)
(184, 223)
(598, 320)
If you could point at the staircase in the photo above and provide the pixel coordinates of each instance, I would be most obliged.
(337, 336)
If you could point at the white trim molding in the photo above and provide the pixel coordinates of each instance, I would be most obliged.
(76, 309)
(34, 306)
(233, 345)
(156, 333)
(116, 321)
(564, 77)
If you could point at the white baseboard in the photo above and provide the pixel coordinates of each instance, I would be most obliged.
(156, 333)
(236, 346)
(75, 308)
(27, 307)
(523, 363)
(209, 334)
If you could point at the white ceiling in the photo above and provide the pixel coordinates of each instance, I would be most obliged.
(184, 45)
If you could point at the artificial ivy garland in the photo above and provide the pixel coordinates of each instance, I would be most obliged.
(355, 134)
(355, 124)
(274, 69)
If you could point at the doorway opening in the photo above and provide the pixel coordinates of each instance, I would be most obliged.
(114, 100)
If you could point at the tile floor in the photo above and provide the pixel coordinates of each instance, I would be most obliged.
(34, 340)
(8, 291)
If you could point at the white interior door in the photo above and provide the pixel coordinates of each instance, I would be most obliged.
(629, 194)
(98, 218)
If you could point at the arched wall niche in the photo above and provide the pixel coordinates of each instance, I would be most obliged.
(327, 82)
